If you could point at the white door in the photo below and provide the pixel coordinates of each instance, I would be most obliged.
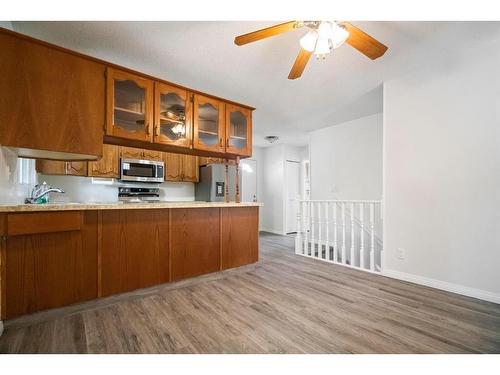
(293, 194)
(248, 169)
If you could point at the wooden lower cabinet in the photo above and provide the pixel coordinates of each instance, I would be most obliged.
(134, 249)
(54, 265)
(194, 241)
(240, 236)
(51, 259)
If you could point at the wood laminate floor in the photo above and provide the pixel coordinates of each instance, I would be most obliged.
(283, 304)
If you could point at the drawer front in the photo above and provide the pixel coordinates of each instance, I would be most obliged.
(43, 222)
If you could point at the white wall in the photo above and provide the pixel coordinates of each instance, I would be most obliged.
(442, 174)
(272, 161)
(346, 160)
(11, 191)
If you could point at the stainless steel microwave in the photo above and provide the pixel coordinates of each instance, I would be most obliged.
(142, 170)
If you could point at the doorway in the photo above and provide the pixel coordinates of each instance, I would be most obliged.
(292, 172)
(248, 180)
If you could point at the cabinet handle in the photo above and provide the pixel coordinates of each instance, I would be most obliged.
(148, 131)
(227, 142)
(220, 141)
(157, 127)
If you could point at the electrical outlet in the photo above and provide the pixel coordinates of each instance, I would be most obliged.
(400, 253)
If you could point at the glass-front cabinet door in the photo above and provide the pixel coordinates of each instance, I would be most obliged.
(130, 105)
(208, 124)
(238, 130)
(173, 116)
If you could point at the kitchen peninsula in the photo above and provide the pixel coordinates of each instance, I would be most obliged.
(96, 119)
(55, 255)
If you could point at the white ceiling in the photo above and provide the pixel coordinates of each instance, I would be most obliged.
(202, 55)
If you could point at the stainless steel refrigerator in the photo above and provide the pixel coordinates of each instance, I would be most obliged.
(212, 183)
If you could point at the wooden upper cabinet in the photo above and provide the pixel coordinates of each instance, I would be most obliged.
(173, 166)
(63, 168)
(190, 168)
(76, 168)
(130, 106)
(173, 116)
(131, 153)
(152, 155)
(181, 167)
(238, 130)
(50, 100)
(208, 124)
(108, 165)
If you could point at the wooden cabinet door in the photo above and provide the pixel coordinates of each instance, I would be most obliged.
(194, 241)
(131, 153)
(173, 116)
(134, 249)
(129, 105)
(240, 236)
(152, 155)
(190, 171)
(62, 168)
(108, 165)
(208, 124)
(173, 166)
(50, 99)
(76, 168)
(51, 167)
(53, 266)
(238, 130)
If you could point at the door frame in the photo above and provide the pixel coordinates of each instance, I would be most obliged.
(285, 197)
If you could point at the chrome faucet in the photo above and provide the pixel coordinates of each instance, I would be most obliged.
(40, 191)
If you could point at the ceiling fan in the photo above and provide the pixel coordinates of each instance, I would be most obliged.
(321, 38)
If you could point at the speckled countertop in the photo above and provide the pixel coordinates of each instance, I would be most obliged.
(119, 206)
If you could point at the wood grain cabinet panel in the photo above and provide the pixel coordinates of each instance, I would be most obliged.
(190, 170)
(173, 115)
(173, 166)
(240, 236)
(108, 165)
(208, 124)
(238, 130)
(64, 168)
(50, 99)
(131, 153)
(152, 155)
(134, 249)
(194, 242)
(47, 270)
(129, 105)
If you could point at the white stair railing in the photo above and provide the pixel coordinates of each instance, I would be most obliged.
(335, 231)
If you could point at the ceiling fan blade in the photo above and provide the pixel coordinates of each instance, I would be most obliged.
(299, 64)
(363, 42)
(267, 32)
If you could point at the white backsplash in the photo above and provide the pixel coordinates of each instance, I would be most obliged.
(77, 189)
(97, 190)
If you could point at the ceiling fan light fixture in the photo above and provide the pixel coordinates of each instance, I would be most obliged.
(308, 41)
(339, 34)
(322, 47)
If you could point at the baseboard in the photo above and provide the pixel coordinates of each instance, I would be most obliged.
(271, 231)
(444, 285)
